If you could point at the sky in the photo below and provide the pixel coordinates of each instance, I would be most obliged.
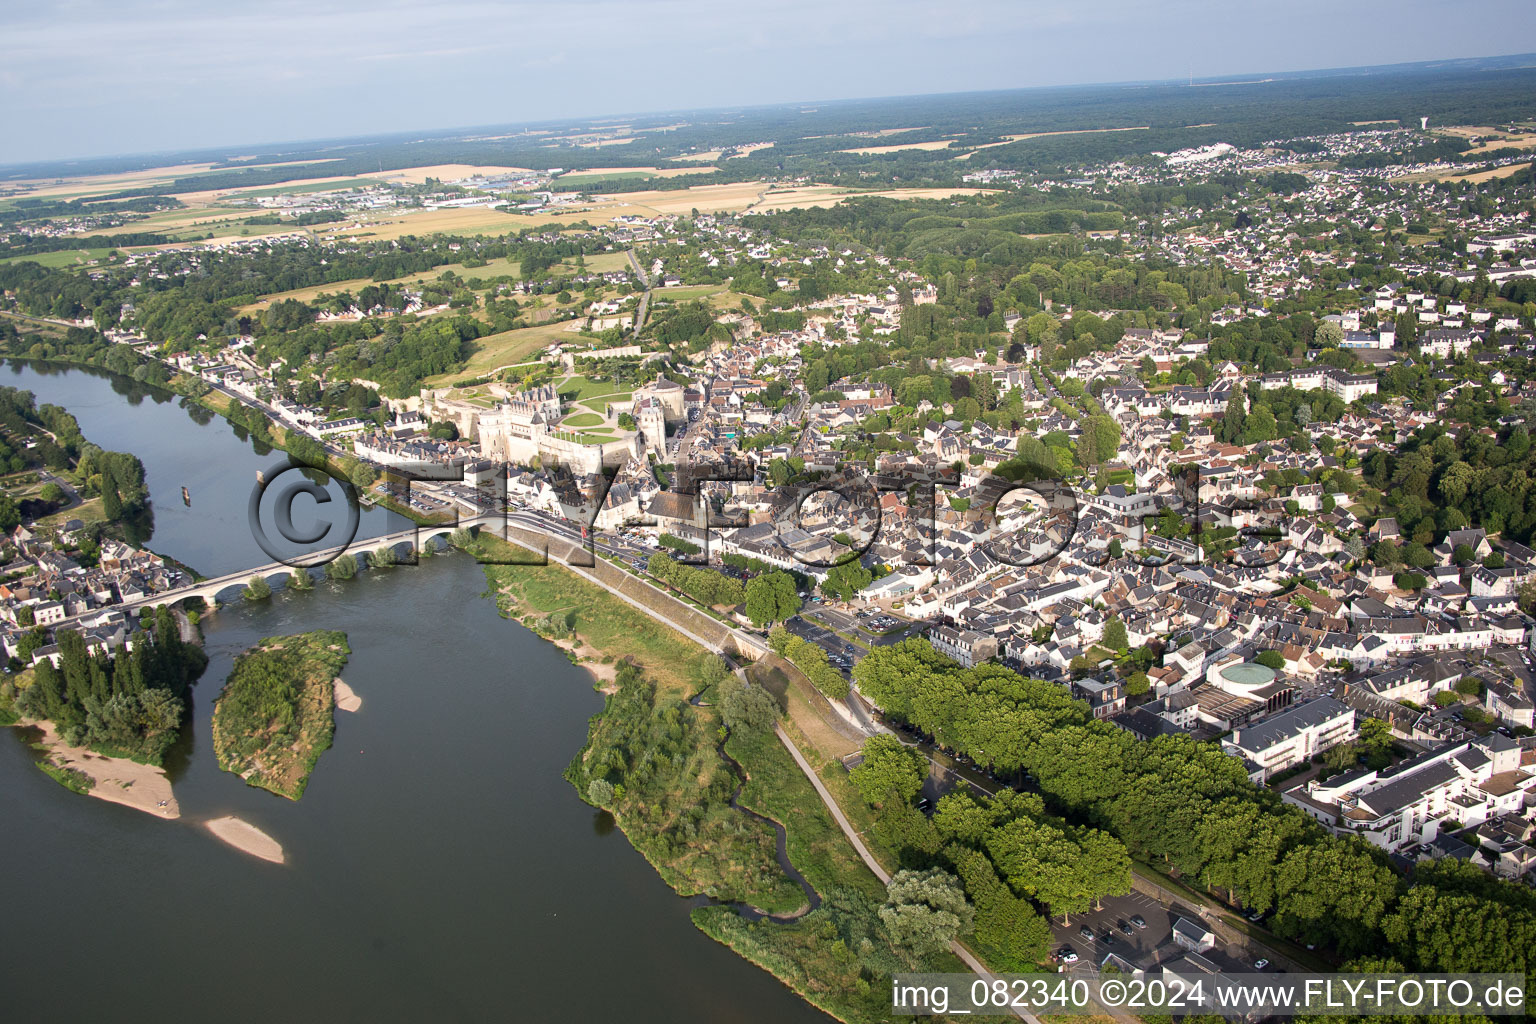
(105, 77)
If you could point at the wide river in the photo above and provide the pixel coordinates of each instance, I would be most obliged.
(439, 867)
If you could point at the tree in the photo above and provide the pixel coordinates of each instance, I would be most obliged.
(748, 707)
(1233, 420)
(600, 792)
(300, 579)
(845, 580)
(1114, 635)
(52, 493)
(111, 501)
(771, 597)
(257, 590)
(890, 770)
(10, 513)
(1328, 335)
(1271, 659)
(924, 911)
(1137, 684)
(343, 568)
(1375, 736)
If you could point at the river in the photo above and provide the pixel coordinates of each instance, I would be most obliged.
(439, 867)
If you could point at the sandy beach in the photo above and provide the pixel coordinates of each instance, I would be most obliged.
(118, 780)
(247, 838)
(606, 675)
(346, 698)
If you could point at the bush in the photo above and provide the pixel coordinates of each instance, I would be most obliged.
(343, 568)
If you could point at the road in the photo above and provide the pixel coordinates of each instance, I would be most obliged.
(852, 834)
(645, 300)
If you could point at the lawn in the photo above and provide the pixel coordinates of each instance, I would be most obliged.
(585, 388)
(602, 402)
(582, 419)
(589, 437)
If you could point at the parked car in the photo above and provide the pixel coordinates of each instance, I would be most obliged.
(1086, 932)
(1068, 955)
(1125, 929)
(1138, 921)
(1260, 964)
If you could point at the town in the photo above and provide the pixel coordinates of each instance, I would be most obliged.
(1220, 450)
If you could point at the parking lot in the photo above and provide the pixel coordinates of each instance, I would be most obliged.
(869, 627)
(839, 651)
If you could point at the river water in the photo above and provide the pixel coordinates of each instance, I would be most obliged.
(439, 867)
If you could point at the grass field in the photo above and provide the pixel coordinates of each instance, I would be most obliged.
(505, 349)
(582, 419)
(481, 221)
(596, 263)
(60, 258)
(827, 195)
(602, 620)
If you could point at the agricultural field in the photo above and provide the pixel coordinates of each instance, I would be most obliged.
(899, 146)
(595, 263)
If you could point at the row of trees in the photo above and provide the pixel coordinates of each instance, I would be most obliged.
(1190, 808)
(706, 586)
(810, 659)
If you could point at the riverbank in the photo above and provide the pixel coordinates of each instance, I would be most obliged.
(118, 780)
(837, 956)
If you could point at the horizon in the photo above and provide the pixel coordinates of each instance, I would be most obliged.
(361, 83)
